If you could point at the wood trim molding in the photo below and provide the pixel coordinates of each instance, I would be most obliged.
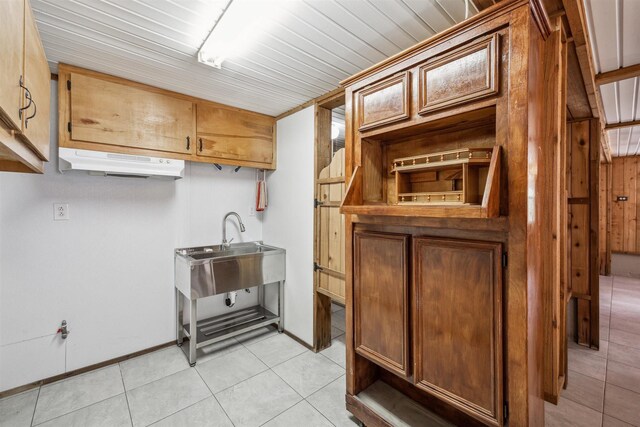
(319, 100)
(617, 75)
(610, 126)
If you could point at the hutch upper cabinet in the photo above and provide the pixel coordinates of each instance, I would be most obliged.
(24, 91)
(106, 113)
(451, 213)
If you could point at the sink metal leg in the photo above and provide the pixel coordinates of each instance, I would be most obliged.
(281, 306)
(179, 318)
(193, 331)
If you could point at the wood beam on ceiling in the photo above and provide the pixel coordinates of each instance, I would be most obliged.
(576, 18)
(620, 125)
(617, 75)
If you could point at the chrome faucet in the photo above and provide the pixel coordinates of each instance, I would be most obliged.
(226, 244)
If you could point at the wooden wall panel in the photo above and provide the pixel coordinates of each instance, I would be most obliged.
(625, 182)
(583, 198)
(604, 219)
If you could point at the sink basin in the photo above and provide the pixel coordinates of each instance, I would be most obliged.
(212, 270)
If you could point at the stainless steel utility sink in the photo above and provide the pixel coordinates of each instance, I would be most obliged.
(212, 270)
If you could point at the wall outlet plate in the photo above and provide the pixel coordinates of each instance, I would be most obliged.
(60, 211)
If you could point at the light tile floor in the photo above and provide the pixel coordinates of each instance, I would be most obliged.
(604, 386)
(259, 378)
(266, 378)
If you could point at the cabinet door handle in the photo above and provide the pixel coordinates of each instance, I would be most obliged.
(188, 143)
(35, 111)
(27, 94)
(200, 141)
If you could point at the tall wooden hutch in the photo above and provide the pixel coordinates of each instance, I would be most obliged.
(454, 222)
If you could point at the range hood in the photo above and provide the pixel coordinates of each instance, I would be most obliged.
(124, 165)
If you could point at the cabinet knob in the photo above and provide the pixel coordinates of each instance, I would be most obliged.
(188, 143)
(200, 141)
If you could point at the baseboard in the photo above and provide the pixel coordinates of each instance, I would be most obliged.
(84, 370)
(298, 340)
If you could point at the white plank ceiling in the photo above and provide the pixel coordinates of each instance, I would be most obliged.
(615, 42)
(313, 45)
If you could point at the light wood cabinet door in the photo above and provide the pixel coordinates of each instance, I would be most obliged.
(235, 137)
(37, 80)
(11, 61)
(381, 299)
(105, 112)
(457, 324)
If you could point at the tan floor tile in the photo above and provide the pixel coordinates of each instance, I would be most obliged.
(625, 338)
(623, 354)
(570, 414)
(608, 421)
(584, 390)
(588, 364)
(623, 376)
(623, 404)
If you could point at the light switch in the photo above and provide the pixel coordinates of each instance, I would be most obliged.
(60, 211)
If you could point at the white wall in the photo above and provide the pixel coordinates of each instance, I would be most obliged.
(108, 270)
(288, 221)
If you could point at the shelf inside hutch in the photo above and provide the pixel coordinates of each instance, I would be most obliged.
(453, 177)
(447, 168)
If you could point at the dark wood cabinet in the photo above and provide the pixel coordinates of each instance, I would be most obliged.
(478, 355)
(384, 102)
(381, 286)
(457, 324)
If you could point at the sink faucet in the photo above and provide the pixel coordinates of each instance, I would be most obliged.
(226, 244)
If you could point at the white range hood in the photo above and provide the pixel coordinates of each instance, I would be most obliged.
(124, 165)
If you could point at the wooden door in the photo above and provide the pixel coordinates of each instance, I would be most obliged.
(381, 299)
(236, 137)
(330, 229)
(457, 324)
(110, 113)
(11, 63)
(37, 79)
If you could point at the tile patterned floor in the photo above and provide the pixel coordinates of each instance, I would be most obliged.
(259, 378)
(265, 378)
(604, 386)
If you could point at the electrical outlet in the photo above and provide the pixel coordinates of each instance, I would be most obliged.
(252, 211)
(60, 211)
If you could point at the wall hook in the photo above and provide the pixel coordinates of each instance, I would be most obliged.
(217, 166)
(237, 169)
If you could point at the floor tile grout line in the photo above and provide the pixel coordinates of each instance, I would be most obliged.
(180, 410)
(215, 398)
(283, 411)
(33, 415)
(126, 396)
(318, 411)
(76, 410)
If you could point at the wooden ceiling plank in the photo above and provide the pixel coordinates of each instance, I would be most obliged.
(575, 15)
(617, 75)
(621, 125)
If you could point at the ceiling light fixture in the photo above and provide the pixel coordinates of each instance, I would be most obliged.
(237, 28)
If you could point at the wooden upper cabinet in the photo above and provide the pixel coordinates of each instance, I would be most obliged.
(37, 80)
(236, 137)
(381, 295)
(457, 320)
(384, 102)
(462, 75)
(110, 113)
(12, 55)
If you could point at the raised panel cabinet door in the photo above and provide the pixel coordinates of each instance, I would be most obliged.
(105, 112)
(457, 324)
(381, 306)
(466, 74)
(384, 102)
(37, 80)
(234, 136)
(11, 61)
